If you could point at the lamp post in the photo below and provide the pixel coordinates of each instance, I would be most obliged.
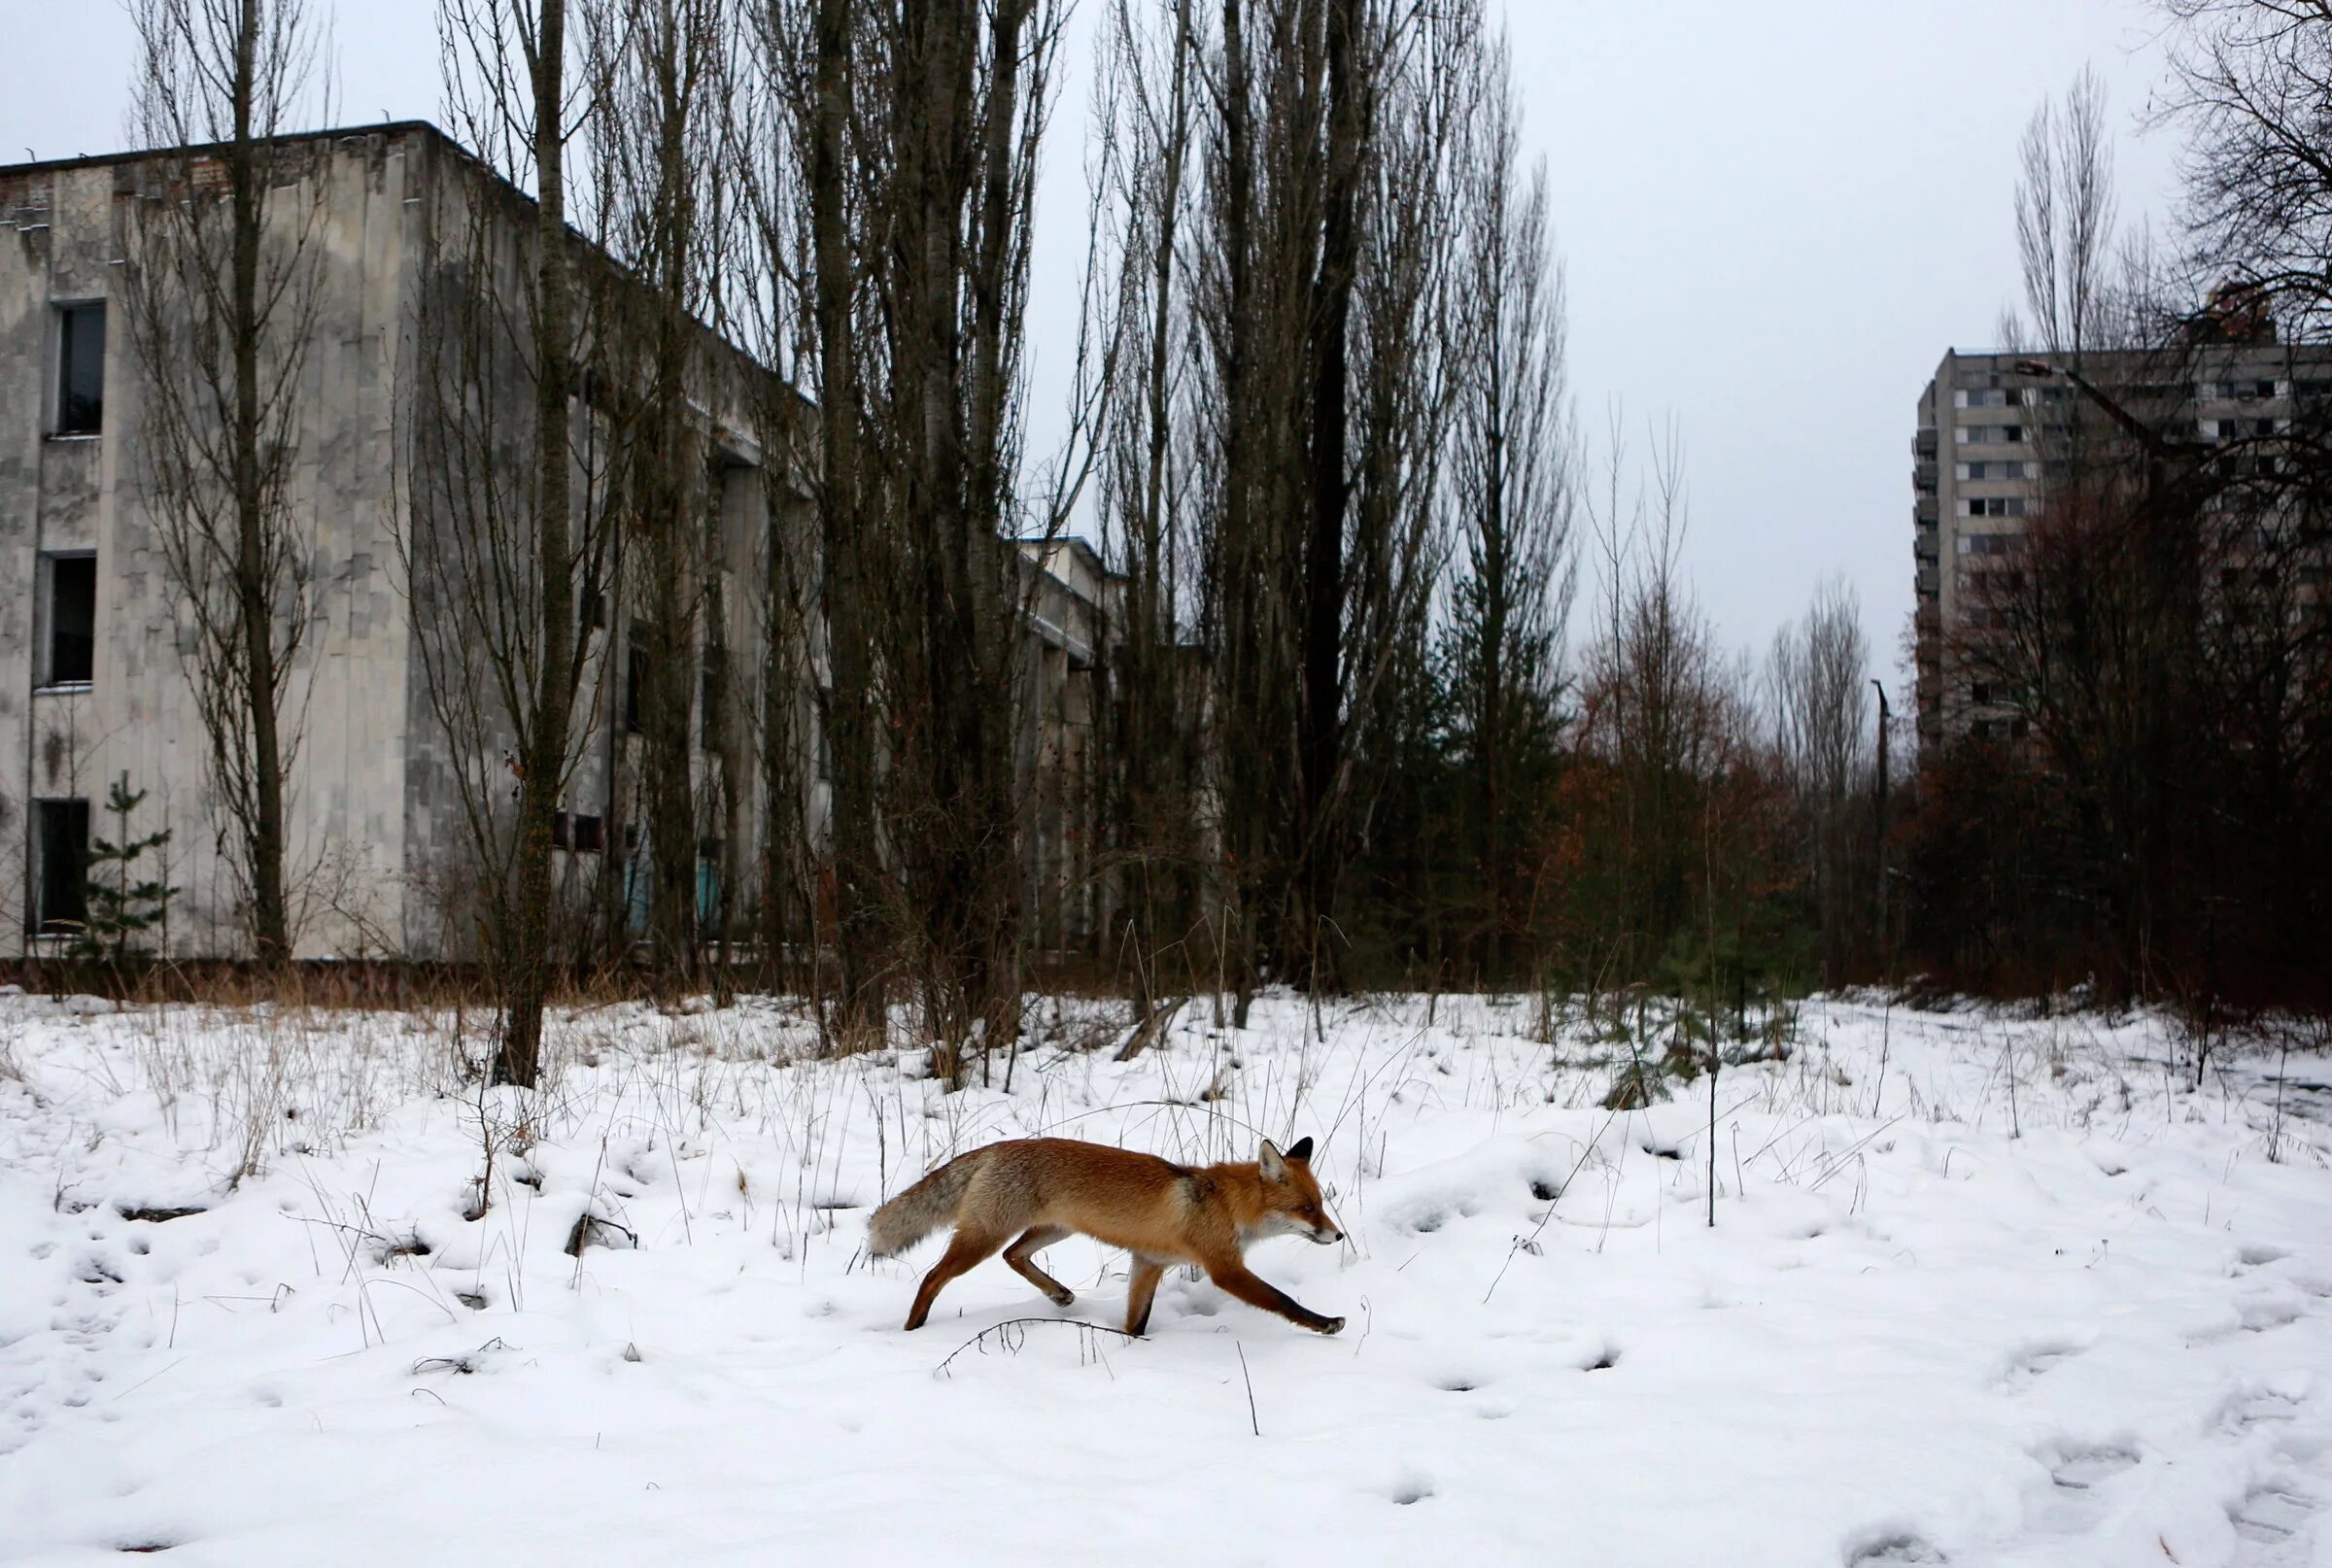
(1879, 813)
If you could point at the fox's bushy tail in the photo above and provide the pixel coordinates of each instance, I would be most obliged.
(922, 1208)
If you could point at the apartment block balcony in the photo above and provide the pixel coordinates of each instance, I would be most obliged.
(1924, 444)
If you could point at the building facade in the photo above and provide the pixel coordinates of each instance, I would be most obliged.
(93, 624)
(381, 795)
(1994, 434)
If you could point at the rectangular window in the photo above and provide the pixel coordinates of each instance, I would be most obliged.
(562, 831)
(80, 369)
(636, 680)
(590, 835)
(714, 697)
(708, 887)
(1991, 435)
(61, 867)
(68, 588)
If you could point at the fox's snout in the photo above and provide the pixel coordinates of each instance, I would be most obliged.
(1326, 1235)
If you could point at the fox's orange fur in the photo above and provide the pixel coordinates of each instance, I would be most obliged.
(1043, 1188)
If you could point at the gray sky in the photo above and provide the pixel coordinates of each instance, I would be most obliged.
(1776, 218)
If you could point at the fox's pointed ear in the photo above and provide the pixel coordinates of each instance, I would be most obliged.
(1302, 1149)
(1271, 1162)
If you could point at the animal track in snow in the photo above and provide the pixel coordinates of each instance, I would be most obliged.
(2264, 1312)
(2036, 1359)
(2066, 1506)
(2257, 1408)
(2078, 1468)
(2268, 1517)
(1894, 1547)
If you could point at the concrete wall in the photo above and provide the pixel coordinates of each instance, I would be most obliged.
(71, 233)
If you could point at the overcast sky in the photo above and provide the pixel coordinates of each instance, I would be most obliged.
(1776, 218)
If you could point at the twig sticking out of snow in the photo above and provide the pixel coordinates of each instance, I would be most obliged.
(1254, 1424)
(1529, 1243)
(1011, 1334)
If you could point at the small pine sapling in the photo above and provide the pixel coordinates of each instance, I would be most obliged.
(124, 903)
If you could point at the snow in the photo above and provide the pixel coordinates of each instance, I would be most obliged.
(1981, 1289)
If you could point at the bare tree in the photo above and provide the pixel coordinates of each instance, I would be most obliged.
(1146, 100)
(1817, 675)
(654, 146)
(960, 92)
(2064, 207)
(222, 298)
(816, 186)
(1659, 717)
(1511, 498)
(2249, 82)
(1326, 233)
(508, 539)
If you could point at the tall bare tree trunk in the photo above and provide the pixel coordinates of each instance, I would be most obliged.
(844, 708)
(527, 963)
(222, 326)
(270, 929)
(1321, 717)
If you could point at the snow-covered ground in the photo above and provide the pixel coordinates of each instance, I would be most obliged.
(1979, 1290)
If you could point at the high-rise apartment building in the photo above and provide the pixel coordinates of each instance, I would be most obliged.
(1994, 435)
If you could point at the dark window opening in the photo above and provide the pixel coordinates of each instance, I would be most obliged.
(635, 681)
(72, 615)
(590, 835)
(562, 831)
(80, 370)
(708, 887)
(714, 697)
(61, 874)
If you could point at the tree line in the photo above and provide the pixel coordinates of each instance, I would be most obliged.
(1398, 684)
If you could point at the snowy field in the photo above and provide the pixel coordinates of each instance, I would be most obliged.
(1979, 1290)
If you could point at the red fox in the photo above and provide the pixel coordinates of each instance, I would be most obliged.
(1159, 1211)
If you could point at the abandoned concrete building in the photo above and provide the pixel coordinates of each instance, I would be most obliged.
(1992, 442)
(92, 679)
